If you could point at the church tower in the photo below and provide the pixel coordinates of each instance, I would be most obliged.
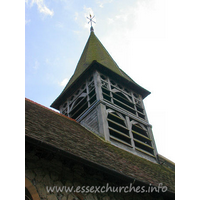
(105, 100)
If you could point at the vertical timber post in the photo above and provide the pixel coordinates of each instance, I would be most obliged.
(101, 108)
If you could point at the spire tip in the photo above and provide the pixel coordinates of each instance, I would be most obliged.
(91, 29)
(91, 20)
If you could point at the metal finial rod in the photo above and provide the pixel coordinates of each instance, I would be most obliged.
(91, 20)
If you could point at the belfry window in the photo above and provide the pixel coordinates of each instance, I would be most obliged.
(122, 101)
(141, 139)
(105, 89)
(91, 93)
(120, 96)
(79, 106)
(118, 129)
(81, 100)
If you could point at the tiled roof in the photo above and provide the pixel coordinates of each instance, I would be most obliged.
(67, 135)
(95, 51)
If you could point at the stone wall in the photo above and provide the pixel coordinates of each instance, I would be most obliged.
(47, 169)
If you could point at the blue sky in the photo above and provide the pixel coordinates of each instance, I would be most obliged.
(145, 37)
(56, 32)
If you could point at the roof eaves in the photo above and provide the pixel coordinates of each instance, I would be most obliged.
(58, 100)
(55, 112)
(68, 87)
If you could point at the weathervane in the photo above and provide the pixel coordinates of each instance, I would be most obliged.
(91, 20)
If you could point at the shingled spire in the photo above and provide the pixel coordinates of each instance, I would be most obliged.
(94, 51)
(105, 100)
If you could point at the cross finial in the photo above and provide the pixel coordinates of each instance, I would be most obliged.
(91, 20)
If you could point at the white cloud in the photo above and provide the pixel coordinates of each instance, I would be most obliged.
(76, 16)
(88, 11)
(64, 82)
(142, 46)
(123, 16)
(60, 25)
(102, 2)
(42, 7)
(27, 21)
(36, 65)
(151, 19)
(133, 28)
(110, 20)
(77, 32)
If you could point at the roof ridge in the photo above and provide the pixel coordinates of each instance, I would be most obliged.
(49, 109)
